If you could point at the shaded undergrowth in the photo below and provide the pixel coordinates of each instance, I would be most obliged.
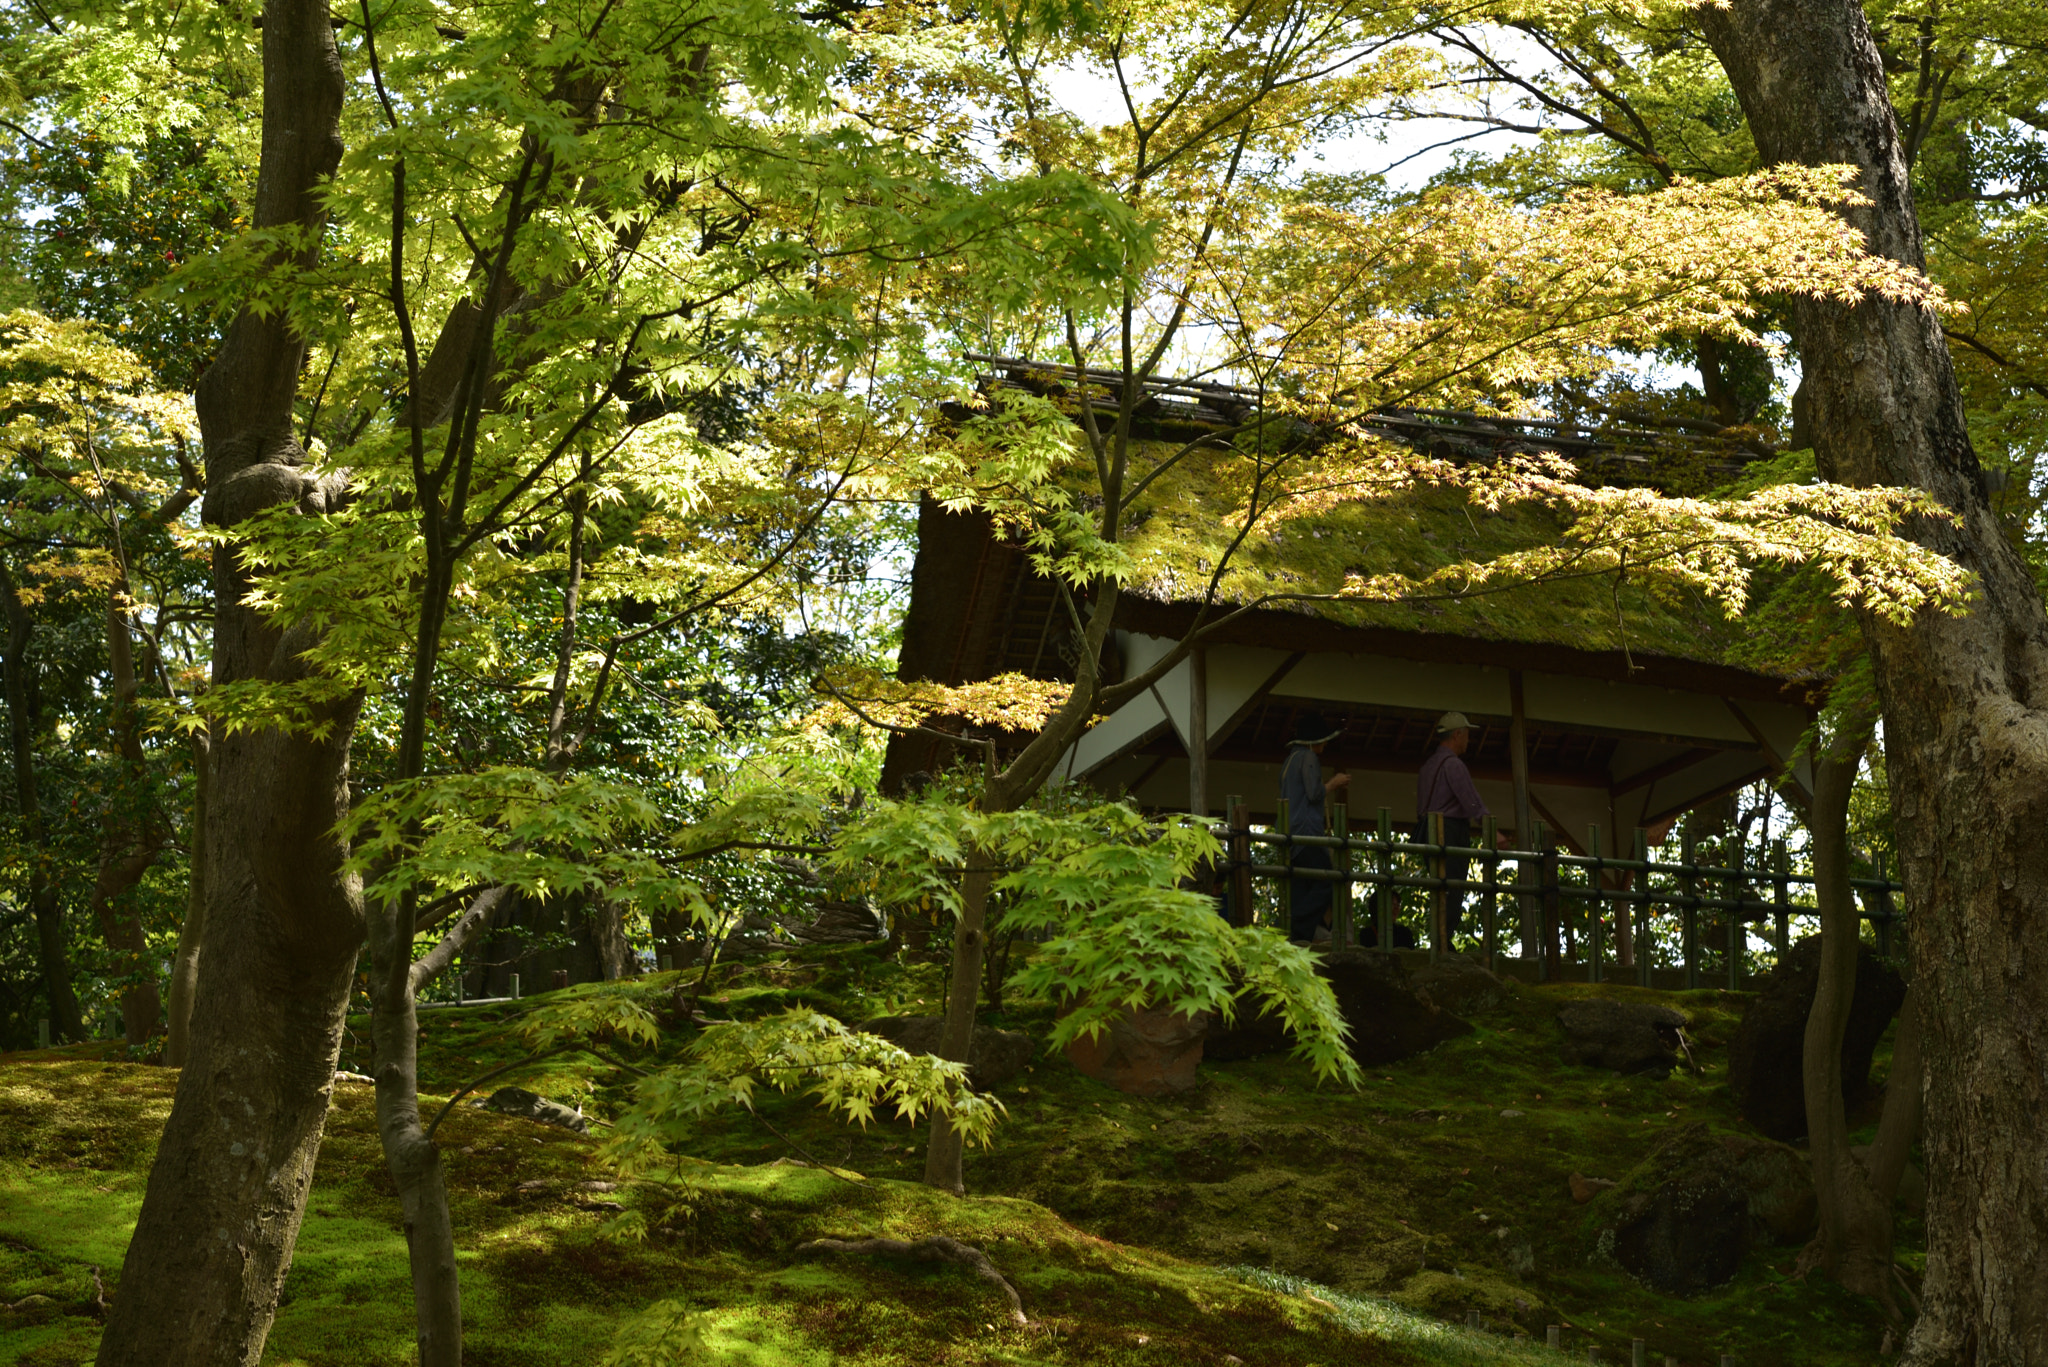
(1358, 1227)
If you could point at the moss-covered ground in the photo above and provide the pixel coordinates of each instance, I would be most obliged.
(1261, 1218)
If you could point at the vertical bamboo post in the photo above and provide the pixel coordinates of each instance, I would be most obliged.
(1639, 911)
(1553, 947)
(1738, 925)
(1340, 896)
(1383, 899)
(1286, 829)
(1241, 912)
(1595, 923)
(1688, 891)
(1884, 906)
(1526, 908)
(1488, 908)
(1781, 896)
(1198, 732)
(1436, 897)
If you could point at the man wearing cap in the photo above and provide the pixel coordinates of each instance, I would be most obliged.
(1445, 786)
(1303, 786)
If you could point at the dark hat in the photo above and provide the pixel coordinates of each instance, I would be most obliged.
(1311, 729)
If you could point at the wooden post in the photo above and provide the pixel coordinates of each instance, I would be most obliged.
(1490, 843)
(1688, 889)
(1436, 901)
(1198, 732)
(1639, 912)
(1525, 830)
(1553, 948)
(1781, 896)
(1341, 936)
(1286, 830)
(1241, 905)
(1596, 883)
(1383, 916)
(1624, 924)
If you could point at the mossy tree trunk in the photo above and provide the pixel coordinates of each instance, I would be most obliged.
(1965, 698)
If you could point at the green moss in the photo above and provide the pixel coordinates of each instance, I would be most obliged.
(1184, 524)
(1111, 1215)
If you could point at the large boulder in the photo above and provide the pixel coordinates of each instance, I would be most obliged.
(1458, 984)
(1147, 1052)
(1389, 1016)
(1629, 1037)
(1765, 1060)
(994, 1057)
(1685, 1218)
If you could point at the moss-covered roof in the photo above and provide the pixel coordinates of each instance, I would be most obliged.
(1184, 523)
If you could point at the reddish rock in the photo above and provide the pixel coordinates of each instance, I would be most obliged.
(1145, 1053)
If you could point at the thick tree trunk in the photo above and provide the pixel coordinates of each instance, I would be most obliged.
(214, 1238)
(192, 934)
(1966, 740)
(1855, 1221)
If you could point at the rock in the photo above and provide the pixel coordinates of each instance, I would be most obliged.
(1145, 1053)
(346, 1076)
(1683, 1220)
(1629, 1037)
(1512, 1114)
(842, 923)
(520, 1102)
(994, 1057)
(1458, 984)
(1389, 1018)
(1765, 1059)
(1585, 1188)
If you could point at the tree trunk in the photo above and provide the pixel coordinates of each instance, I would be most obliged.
(1966, 741)
(227, 1191)
(409, 1154)
(133, 837)
(1899, 1126)
(44, 904)
(192, 934)
(1855, 1221)
(945, 1149)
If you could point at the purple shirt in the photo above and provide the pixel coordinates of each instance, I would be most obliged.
(1445, 785)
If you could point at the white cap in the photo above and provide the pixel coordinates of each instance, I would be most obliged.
(1452, 721)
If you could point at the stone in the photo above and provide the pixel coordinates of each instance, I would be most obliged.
(1586, 1188)
(1685, 1218)
(1629, 1037)
(1146, 1052)
(1390, 1018)
(993, 1058)
(532, 1106)
(842, 923)
(1765, 1059)
(1458, 984)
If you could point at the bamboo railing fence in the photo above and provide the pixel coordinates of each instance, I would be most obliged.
(1562, 908)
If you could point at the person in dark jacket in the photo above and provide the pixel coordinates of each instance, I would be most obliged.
(1306, 790)
(1445, 785)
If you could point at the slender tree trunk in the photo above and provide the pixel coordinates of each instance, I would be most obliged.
(945, 1149)
(1855, 1221)
(192, 934)
(43, 899)
(283, 923)
(133, 838)
(1899, 1125)
(1966, 739)
(409, 1154)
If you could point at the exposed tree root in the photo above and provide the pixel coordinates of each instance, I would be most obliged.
(937, 1248)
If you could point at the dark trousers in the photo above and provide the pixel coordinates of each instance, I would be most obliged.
(1309, 898)
(1458, 833)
